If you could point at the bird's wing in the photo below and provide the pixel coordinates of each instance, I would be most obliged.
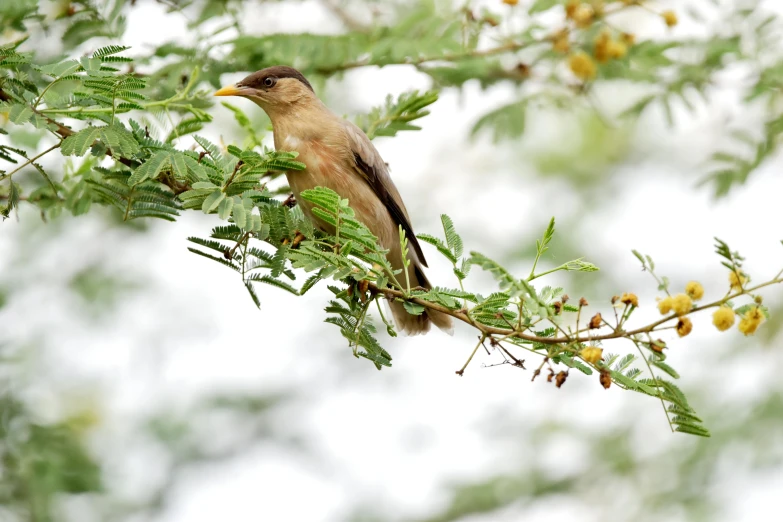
(370, 166)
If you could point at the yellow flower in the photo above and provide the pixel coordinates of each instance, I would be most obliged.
(665, 305)
(684, 326)
(723, 318)
(560, 41)
(583, 15)
(628, 38)
(582, 66)
(630, 299)
(694, 290)
(617, 50)
(511, 2)
(670, 17)
(681, 304)
(737, 280)
(751, 321)
(571, 7)
(592, 354)
(601, 49)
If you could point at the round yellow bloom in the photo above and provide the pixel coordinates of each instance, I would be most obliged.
(571, 7)
(582, 66)
(681, 304)
(737, 280)
(592, 354)
(616, 50)
(583, 15)
(723, 318)
(670, 17)
(665, 305)
(751, 321)
(694, 290)
(601, 48)
(684, 326)
(630, 299)
(511, 2)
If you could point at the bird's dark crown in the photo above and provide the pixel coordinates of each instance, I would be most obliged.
(256, 80)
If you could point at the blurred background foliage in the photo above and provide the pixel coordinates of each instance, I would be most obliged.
(63, 458)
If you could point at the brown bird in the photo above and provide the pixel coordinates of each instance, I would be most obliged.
(339, 155)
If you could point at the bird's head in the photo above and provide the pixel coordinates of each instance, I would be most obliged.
(274, 89)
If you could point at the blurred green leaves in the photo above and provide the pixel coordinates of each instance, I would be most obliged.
(41, 462)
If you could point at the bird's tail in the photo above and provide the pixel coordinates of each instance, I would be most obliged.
(419, 324)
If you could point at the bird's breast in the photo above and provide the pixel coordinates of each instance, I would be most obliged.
(326, 167)
(291, 142)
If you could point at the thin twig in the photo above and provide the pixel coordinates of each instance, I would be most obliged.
(29, 161)
(461, 371)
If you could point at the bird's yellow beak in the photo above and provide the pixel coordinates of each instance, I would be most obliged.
(230, 90)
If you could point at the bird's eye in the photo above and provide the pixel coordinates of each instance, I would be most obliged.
(269, 82)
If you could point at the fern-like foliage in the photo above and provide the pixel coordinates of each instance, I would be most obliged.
(397, 115)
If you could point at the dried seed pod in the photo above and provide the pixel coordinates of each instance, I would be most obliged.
(605, 378)
(595, 321)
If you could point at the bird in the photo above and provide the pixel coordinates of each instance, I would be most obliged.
(338, 155)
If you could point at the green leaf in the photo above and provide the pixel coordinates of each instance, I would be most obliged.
(437, 243)
(539, 6)
(692, 429)
(453, 240)
(239, 213)
(252, 293)
(225, 207)
(274, 282)
(665, 367)
(179, 166)
(212, 201)
(575, 363)
(150, 168)
(20, 113)
(506, 122)
(223, 261)
(623, 363)
(78, 144)
(90, 64)
(109, 50)
(549, 233)
(413, 308)
(508, 283)
(240, 116)
(397, 115)
(61, 68)
(120, 140)
(323, 197)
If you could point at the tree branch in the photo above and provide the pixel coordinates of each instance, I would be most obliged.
(465, 317)
(447, 57)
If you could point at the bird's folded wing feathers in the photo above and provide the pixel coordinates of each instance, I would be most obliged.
(370, 166)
